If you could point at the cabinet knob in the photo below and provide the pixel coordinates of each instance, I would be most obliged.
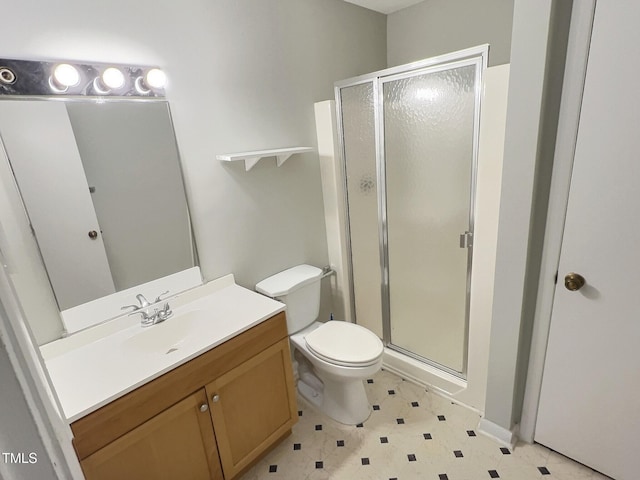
(204, 407)
(215, 398)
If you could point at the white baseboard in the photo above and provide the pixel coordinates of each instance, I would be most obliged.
(503, 436)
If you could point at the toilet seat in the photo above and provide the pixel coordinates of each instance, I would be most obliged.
(345, 344)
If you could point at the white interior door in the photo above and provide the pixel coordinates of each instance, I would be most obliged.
(44, 157)
(590, 399)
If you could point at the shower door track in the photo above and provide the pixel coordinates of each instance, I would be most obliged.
(475, 55)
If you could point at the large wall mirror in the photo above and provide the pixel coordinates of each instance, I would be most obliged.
(102, 185)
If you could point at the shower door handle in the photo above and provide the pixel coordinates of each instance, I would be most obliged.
(466, 240)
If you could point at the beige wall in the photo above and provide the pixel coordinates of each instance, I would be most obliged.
(434, 27)
(243, 75)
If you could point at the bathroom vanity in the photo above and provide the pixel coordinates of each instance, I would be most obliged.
(205, 404)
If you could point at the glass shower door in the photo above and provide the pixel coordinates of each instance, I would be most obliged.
(357, 104)
(429, 120)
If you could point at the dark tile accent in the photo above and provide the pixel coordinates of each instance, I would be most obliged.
(471, 433)
(458, 453)
(505, 451)
(415, 404)
(340, 443)
(384, 440)
(493, 474)
(273, 468)
(360, 425)
(319, 465)
(318, 428)
(297, 446)
(369, 380)
(365, 461)
(411, 457)
(427, 436)
(441, 418)
(400, 421)
(394, 478)
(299, 413)
(391, 392)
(443, 476)
(544, 471)
(376, 407)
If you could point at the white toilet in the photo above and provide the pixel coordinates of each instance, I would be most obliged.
(334, 358)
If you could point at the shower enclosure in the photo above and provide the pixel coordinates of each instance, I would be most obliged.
(409, 138)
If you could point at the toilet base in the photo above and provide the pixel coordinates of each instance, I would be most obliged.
(344, 400)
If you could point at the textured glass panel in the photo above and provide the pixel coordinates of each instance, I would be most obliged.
(428, 127)
(360, 159)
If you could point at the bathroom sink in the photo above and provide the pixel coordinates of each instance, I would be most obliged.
(169, 336)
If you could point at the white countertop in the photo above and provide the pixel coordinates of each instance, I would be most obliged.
(94, 367)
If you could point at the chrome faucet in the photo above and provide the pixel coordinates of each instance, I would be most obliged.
(144, 303)
(148, 318)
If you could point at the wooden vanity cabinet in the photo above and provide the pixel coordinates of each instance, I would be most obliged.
(177, 443)
(252, 407)
(230, 404)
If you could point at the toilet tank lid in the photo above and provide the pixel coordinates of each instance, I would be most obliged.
(288, 280)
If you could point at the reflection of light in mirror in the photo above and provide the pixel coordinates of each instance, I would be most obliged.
(427, 94)
(155, 78)
(141, 87)
(66, 75)
(113, 78)
(99, 87)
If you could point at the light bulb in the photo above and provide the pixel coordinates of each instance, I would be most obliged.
(66, 75)
(113, 78)
(155, 78)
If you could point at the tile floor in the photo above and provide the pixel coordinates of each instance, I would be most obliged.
(411, 434)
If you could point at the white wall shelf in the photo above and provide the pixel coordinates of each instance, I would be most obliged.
(251, 158)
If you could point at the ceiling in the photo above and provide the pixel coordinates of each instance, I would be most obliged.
(384, 6)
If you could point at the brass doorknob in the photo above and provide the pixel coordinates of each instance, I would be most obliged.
(574, 281)
(93, 234)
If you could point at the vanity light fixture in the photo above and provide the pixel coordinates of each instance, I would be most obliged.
(113, 78)
(141, 87)
(155, 78)
(26, 77)
(7, 76)
(64, 76)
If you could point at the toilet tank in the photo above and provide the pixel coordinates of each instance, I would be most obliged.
(299, 288)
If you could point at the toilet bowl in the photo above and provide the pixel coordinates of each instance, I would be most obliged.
(333, 358)
(336, 385)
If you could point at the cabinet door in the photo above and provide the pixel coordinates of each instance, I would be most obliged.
(252, 406)
(178, 443)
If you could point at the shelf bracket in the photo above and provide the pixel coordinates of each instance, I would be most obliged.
(249, 163)
(282, 158)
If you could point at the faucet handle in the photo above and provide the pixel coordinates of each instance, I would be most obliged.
(135, 307)
(145, 315)
(147, 320)
(159, 297)
(165, 312)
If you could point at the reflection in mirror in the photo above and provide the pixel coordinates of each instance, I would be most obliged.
(103, 189)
